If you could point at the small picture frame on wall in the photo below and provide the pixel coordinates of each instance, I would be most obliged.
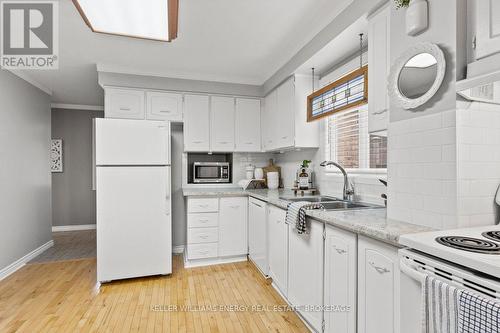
(56, 155)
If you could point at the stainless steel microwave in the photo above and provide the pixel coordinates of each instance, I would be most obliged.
(211, 172)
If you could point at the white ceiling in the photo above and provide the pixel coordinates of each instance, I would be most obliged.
(219, 40)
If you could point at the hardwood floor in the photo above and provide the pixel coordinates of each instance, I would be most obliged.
(64, 297)
(70, 245)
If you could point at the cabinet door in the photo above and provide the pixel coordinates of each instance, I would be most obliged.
(488, 28)
(378, 70)
(222, 124)
(340, 280)
(305, 271)
(278, 248)
(257, 234)
(124, 103)
(378, 287)
(196, 123)
(247, 129)
(269, 137)
(286, 115)
(233, 226)
(163, 106)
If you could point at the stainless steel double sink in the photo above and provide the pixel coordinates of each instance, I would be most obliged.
(332, 203)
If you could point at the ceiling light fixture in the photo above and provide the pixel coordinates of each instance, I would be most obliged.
(146, 19)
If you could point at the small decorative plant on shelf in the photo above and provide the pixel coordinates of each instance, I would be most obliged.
(402, 3)
(305, 164)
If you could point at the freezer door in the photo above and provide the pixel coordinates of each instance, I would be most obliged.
(134, 232)
(132, 142)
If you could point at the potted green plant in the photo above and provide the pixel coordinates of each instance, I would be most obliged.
(402, 3)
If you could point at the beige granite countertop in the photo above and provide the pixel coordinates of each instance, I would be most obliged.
(371, 223)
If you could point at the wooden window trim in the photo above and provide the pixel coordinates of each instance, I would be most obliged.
(173, 22)
(361, 71)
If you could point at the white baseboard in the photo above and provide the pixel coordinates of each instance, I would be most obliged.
(58, 228)
(4, 272)
(179, 249)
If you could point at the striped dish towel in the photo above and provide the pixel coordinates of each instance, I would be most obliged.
(451, 310)
(296, 214)
(440, 306)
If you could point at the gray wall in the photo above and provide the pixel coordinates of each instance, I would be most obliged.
(73, 201)
(178, 210)
(25, 212)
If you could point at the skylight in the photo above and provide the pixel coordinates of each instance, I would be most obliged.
(148, 19)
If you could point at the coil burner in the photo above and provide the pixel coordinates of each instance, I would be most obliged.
(470, 244)
(492, 235)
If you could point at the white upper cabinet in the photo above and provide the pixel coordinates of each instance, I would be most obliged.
(285, 123)
(196, 123)
(163, 106)
(247, 128)
(268, 136)
(278, 248)
(487, 27)
(222, 124)
(340, 279)
(378, 287)
(233, 239)
(124, 103)
(378, 69)
(285, 115)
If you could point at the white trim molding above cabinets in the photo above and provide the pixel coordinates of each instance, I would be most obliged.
(284, 121)
(127, 103)
(378, 69)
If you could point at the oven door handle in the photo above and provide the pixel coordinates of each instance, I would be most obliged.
(411, 271)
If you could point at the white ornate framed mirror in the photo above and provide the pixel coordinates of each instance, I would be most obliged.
(417, 75)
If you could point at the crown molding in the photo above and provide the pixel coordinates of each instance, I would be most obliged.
(77, 107)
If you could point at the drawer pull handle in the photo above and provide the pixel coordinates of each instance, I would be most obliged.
(165, 111)
(203, 221)
(284, 137)
(203, 206)
(223, 142)
(124, 109)
(197, 141)
(234, 207)
(203, 252)
(249, 143)
(381, 270)
(376, 113)
(340, 251)
(203, 236)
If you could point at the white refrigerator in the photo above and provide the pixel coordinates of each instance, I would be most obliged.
(134, 224)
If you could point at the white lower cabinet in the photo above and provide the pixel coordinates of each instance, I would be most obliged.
(340, 280)
(305, 272)
(378, 287)
(278, 248)
(216, 230)
(233, 226)
(257, 234)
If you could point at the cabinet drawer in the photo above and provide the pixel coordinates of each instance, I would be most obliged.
(202, 235)
(204, 205)
(200, 251)
(198, 220)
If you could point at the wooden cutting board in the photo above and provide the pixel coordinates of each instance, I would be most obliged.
(272, 168)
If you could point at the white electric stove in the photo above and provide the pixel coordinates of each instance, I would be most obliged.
(474, 248)
(464, 258)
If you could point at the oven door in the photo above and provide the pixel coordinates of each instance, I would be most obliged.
(208, 173)
(411, 306)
